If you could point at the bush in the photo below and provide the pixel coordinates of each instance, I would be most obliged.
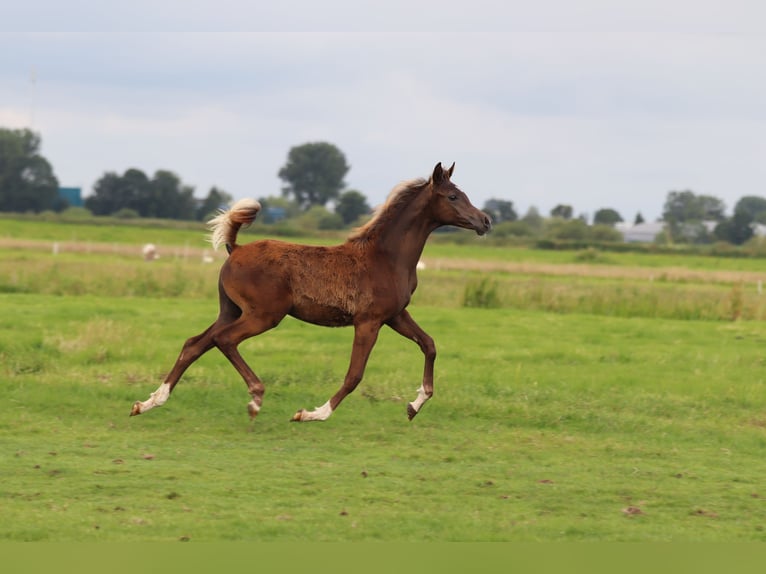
(591, 255)
(318, 217)
(77, 213)
(755, 247)
(513, 229)
(605, 233)
(571, 229)
(126, 213)
(330, 221)
(482, 295)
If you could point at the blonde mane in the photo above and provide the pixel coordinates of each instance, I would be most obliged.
(399, 197)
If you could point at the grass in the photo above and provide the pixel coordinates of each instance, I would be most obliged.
(606, 397)
(543, 427)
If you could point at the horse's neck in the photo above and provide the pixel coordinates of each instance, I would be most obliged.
(404, 241)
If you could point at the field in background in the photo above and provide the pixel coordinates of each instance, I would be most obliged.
(604, 397)
(72, 259)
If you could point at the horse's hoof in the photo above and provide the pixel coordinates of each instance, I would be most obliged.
(298, 416)
(411, 412)
(252, 411)
(136, 410)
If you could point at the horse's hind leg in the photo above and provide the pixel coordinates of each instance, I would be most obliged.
(228, 339)
(192, 350)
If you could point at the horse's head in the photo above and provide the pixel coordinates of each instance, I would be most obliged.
(450, 206)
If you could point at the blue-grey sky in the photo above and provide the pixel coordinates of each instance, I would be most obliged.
(592, 103)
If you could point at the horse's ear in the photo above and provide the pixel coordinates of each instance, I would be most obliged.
(438, 175)
(451, 169)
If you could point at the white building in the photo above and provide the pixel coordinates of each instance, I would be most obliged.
(640, 232)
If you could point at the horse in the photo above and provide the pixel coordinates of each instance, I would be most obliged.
(365, 282)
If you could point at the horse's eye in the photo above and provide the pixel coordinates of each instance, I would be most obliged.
(452, 197)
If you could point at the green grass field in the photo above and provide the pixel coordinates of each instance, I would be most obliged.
(548, 424)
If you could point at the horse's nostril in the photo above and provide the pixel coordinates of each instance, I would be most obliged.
(487, 222)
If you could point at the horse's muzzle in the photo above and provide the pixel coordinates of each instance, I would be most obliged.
(485, 225)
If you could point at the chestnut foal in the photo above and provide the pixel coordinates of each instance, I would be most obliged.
(365, 282)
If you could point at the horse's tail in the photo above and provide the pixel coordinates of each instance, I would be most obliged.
(225, 226)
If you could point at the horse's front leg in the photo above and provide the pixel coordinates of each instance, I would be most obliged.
(406, 326)
(365, 336)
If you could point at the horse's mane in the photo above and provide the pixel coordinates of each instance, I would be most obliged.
(399, 197)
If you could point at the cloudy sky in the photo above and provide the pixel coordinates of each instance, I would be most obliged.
(591, 103)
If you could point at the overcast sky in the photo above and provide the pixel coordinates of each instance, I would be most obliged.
(590, 103)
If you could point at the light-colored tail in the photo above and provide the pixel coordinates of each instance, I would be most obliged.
(224, 227)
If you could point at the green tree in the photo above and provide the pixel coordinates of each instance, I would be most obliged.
(686, 206)
(713, 209)
(106, 197)
(607, 216)
(314, 173)
(162, 196)
(681, 206)
(639, 218)
(752, 207)
(169, 198)
(27, 181)
(137, 190)
(351, 205)
(533, 220)
(216, 199)
(562, 211)
(684, 212)
(113, 192)
(500, 210)
(738, 228)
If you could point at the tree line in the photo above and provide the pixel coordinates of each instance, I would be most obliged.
(688, 218)
(314, 176)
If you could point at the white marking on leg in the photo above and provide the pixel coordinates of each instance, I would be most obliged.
(156, 399)
(420, 401)
(318, 414)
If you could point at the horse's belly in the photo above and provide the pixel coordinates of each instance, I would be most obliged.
(322, 314)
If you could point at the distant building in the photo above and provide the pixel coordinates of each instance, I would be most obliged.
(274, 214)
(72, 195)
(640, 232)
(647, 232)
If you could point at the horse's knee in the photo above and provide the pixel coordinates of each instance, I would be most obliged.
(429, 349)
